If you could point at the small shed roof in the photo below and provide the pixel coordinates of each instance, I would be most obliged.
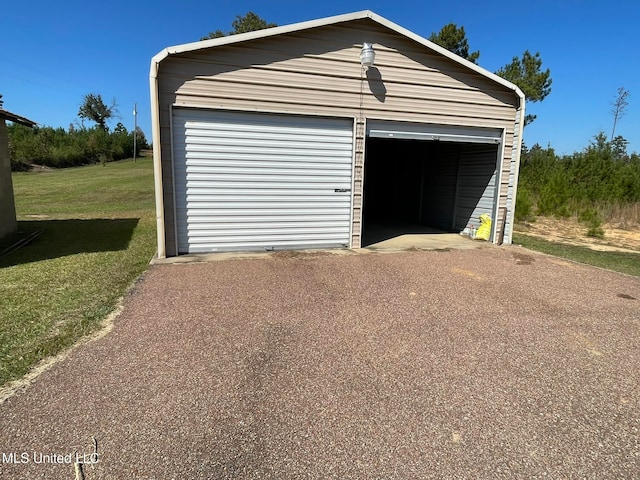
(267, 32)
(12, 117)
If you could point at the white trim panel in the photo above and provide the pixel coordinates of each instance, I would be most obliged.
(425, 131)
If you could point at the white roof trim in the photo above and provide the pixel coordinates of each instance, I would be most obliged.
(295, 27)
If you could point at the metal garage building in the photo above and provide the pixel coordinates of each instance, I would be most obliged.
(310, 135)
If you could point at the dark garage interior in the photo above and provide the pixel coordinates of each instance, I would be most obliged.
(424, 186)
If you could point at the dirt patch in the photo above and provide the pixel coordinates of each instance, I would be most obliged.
(34, 167)
(572, 232)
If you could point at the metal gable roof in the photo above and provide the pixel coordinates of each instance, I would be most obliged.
(12, 117)
(295, 27)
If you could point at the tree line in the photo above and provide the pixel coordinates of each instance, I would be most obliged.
(585, 184)
(79, 145)
(59, 148)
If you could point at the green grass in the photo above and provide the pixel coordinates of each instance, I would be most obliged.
(98, 235)
(622, 262)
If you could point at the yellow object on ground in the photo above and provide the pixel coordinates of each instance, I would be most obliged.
(484, 230)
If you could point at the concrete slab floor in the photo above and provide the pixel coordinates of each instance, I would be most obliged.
(379, 239)
(427, 241)
(403, 237)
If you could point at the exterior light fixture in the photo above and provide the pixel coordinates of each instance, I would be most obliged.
(367, 55)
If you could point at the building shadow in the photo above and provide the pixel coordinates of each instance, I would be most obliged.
(376, 84)
(60, 238)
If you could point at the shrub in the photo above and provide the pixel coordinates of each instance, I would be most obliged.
(554, 196)
(596, 232)
(524, 204)
(67, 156)
(593, 220)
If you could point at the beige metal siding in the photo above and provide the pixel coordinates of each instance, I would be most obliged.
(317, 72)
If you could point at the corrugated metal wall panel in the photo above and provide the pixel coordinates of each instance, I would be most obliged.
(419, 101)
(261, 182)
(342, 111)
(396, 80)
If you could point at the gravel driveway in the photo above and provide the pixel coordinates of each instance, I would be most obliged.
(490, 363)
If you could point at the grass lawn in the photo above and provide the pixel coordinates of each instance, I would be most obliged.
(622, 262)
(97, 236)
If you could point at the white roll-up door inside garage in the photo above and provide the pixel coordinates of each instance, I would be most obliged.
(251, 181)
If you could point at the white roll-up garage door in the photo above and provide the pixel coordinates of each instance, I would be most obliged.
(251, 181)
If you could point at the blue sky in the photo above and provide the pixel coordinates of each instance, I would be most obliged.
(53, 53)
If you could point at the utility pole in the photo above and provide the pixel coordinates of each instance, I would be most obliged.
(135, 128)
